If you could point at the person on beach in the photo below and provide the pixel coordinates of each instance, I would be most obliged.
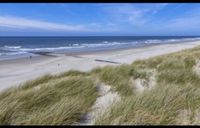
(30, 57)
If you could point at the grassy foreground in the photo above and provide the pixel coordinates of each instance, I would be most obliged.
(63, 99)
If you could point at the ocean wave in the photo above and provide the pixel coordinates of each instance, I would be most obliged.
(12, 53)
(152, 41)
(48, 49)
(73, 46)
(169, 40)
(183, 39)
(13, 50)
(17, 50)
(10, 48)
(105, 43)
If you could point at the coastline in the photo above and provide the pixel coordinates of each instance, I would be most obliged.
(14, 72)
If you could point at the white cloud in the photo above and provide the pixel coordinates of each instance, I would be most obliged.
(183, 23)
(23, 23)
(134, 14)
(142, 18)
(186, 21)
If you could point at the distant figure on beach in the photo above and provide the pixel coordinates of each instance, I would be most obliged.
(58, 64)
(30, 57)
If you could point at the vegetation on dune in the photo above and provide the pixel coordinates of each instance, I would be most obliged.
(177, 89)
(63, 99)
(157, 106)
(60, 102)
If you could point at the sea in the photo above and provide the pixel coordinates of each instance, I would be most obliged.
(17, 47)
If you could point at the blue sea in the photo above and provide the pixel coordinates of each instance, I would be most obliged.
(14, 47)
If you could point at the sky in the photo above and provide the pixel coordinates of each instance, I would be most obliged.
(99, 19)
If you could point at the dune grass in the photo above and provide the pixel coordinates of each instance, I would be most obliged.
(177, 88)
(157, 106)
(63, 99)
(55, 103)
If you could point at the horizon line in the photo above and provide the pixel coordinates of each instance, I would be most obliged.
(113, 36)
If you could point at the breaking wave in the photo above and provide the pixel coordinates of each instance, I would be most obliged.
(18, 50)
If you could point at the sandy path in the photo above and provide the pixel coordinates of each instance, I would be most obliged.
(106, 99)
(14, 72)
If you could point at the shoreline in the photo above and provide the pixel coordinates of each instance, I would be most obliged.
(73, 53)
(85, 52)
(14, 72)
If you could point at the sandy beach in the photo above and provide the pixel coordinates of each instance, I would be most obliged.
(15, 72)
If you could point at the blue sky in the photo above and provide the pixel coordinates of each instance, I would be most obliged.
(98, 19)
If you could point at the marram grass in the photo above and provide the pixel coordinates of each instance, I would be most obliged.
(55, 103)
(63, 99)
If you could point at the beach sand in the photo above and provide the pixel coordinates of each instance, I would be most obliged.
(14, 72)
